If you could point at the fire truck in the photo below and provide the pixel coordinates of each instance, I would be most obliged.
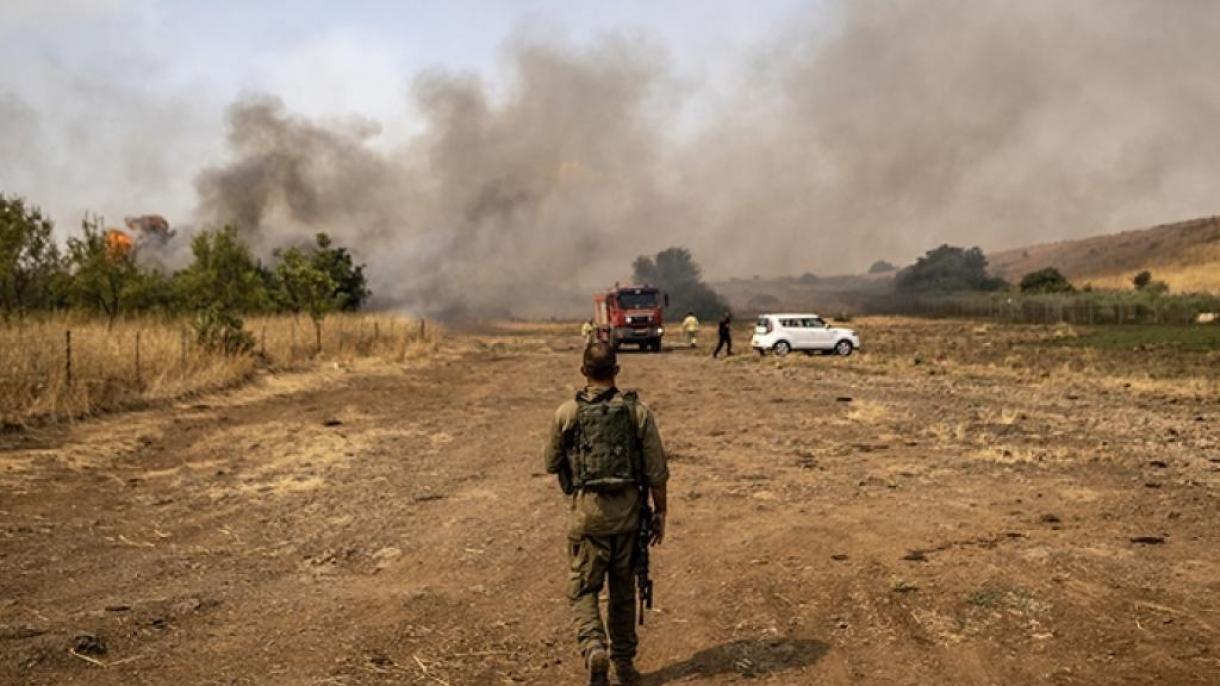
(631, 314)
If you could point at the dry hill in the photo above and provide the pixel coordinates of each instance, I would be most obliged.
(1186, 255)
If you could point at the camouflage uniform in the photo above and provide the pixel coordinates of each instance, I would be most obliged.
(601, 534)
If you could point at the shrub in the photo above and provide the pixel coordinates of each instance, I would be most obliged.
(1047, 280)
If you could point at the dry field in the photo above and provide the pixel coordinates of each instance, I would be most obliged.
(958, 504)
(67, 366)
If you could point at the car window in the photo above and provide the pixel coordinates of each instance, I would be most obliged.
(816, 322)
(790, 323)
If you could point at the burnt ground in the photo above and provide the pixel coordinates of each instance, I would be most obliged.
(957, 504)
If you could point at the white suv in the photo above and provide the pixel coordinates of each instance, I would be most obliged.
(783, 333)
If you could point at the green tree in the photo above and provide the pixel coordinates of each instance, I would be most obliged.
(675, 272)
(1047, 280)
(881, 267)
(1141, 280)
(30, 263)
(948, 269)
(223, 282)
(350, 287)
(303, 286)
(103, 276)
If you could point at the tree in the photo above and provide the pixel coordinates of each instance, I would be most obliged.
(1142, 279)
(1047, 280)
(30, 264)
(881, 267)
(223, 282)
(102, 274)
(947, 269)
(224, 273)
(350, 286)
(302, 286)
(675, 272)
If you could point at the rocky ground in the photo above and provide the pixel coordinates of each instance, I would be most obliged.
(957, 504)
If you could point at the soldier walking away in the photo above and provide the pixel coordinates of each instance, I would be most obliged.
(691, 326)
(605, 447)
(586, 330)
(725, 333)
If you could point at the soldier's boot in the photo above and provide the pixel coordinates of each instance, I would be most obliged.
(597, 663)
(626, 673)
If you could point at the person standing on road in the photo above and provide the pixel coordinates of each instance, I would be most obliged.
(607, 451)
(586, 330)
(725, 333)
(691, 326)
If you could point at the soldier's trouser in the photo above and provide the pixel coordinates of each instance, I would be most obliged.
(591, 561)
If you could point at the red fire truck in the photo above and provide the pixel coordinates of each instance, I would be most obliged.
(631, 314)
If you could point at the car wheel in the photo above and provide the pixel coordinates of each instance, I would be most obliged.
(782, 348)
(843, 348)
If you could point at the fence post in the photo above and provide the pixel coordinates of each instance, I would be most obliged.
(68, 355)
(139, 379)
(292, 346)
(262, 343)
(423, 329)
(182, 347)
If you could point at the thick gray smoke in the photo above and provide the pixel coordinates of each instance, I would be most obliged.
(903, 125)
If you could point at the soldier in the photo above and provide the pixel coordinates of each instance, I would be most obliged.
(725, 334)
(586, 330)
(606, 449)
(691, 326)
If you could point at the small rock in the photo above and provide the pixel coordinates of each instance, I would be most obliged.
(838, 557)
(118, 608)
(332, 422)
(843, 399)
(1049, 519)
(915, 556)
(1151, 484)
(1159, 464)
(88, 644)
(1148, 540)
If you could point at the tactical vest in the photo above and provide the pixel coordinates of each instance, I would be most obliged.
(605, 452)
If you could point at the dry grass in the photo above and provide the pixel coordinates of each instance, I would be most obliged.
(38, 384)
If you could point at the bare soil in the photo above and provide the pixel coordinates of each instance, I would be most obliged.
(957, 504)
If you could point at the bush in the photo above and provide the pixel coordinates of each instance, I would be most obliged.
(1047, 280)
(881, 267)
(1142, 279)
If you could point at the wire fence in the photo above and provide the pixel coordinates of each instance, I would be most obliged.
(1072, 308)
(66, 366)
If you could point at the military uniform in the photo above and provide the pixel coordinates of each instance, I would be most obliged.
(602, 527)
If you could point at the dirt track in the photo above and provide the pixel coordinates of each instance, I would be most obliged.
(879, 519)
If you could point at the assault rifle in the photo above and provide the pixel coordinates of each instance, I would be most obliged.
(643, 583)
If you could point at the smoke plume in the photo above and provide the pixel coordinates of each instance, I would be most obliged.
(899, 125)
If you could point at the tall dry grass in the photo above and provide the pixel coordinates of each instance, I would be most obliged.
(66, 366)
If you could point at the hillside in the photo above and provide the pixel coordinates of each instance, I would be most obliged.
(1186, 255)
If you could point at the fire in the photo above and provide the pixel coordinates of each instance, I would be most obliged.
(118, 243)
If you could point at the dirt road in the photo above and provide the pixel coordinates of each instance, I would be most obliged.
(911, 515)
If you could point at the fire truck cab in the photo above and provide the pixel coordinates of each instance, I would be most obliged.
(631, 314)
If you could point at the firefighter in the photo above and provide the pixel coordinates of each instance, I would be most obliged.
(691, 326)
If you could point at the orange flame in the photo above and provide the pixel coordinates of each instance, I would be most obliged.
(118, 244)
